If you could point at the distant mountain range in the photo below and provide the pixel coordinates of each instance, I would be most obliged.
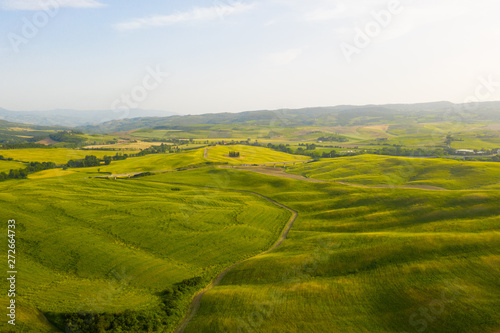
(74, 118)
(343, 115)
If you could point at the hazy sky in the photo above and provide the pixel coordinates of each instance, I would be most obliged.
(217, 56)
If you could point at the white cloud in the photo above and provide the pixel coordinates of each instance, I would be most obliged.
(285, 57)
(196, 14)
(44, 4)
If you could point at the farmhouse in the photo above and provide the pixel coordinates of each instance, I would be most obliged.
(464, 151)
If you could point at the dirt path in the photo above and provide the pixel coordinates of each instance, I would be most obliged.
(277, 172)
(195, 303)
(205, 153)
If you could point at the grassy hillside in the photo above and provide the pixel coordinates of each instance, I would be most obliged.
(250, 155)
(196, 157)
(11, 132)
(155, 162)
(109, 246)
(56, 155)
(362, 260)
(6, 166)
(384, 170)
(356, 260)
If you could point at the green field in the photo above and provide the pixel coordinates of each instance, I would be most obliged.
(6, 166)
(104, 245)
(358, 259)
(56, 155)
(398, 171)
(196, 157)
(250, 155)
(155, 162)
(363, 260)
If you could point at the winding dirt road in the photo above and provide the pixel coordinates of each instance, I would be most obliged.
(278, 172)
(195, 303)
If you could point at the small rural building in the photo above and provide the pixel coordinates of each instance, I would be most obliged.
(464, 151)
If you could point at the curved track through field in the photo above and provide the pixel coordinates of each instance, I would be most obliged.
(195, 303)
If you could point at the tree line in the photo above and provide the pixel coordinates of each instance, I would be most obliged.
(336, 138)
(30, 168)
(23, 145)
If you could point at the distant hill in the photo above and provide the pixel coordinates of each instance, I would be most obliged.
(343, 115)
(73, 118)
(16, 133)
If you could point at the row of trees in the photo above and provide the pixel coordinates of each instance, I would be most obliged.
(40, 166)
(23, 145)
(308, 146)
(161, 149)
(72, 139)
(30, 168)
(402, 151)
(336, 138)
(88, 161)
(14, 174)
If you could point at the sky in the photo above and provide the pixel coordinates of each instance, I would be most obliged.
(193, 57)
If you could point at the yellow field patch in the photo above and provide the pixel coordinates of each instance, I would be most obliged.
(51, 173)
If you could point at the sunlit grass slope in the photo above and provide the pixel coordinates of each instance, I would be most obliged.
(155, 162)
(56, 155)
(362, 260)
(250, 155)
(6, 166)
(106, 246)
(196, 157)
(387, 170)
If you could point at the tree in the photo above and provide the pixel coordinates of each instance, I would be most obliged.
(449, 140)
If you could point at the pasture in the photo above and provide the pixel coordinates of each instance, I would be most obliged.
(56, 155)
(398, 171)
(362, 260)
(108, 246)
(6, 166)
(356, 260)
(250, 155)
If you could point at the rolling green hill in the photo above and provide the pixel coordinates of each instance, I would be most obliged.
(362, 260)
(384, 170)
(109, 246)
(16, 133)
(196, 157)
(6, 166)
(56, 155)
(132, 252)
